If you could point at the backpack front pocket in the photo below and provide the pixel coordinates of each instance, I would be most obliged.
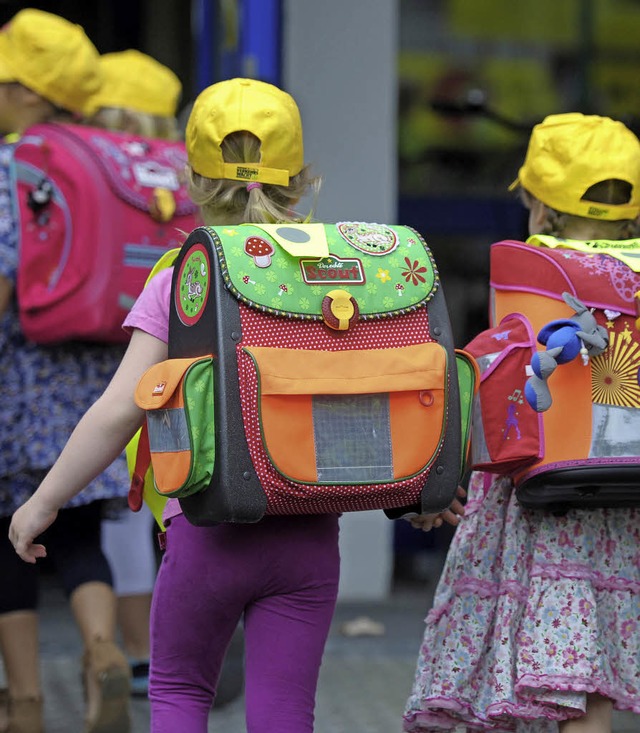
(177, 395)
(347, 417)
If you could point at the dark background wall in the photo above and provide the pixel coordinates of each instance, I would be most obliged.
(161, 28)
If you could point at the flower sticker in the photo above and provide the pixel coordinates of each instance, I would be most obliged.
(383, 275)
(414, 272)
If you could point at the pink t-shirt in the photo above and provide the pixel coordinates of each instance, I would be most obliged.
(150, 313)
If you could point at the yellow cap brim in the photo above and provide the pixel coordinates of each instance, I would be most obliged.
(514, 185)
(6, 74)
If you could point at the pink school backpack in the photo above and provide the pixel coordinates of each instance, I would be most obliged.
(97, 209)
(581, 448)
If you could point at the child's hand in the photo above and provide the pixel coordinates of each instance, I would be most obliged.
(456, 510)
(29, 521)
(427, 522)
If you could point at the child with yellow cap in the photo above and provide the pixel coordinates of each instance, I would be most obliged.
(534, 625)
(280, 574)
(48, 71)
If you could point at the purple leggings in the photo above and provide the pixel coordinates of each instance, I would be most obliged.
(280, 574)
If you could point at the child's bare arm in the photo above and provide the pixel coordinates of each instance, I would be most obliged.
(97, 440)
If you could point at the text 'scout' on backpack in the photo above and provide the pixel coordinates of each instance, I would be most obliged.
(311, 369)
(567, 430)
(96, 209)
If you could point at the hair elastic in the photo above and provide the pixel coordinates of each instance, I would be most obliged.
(253, 184)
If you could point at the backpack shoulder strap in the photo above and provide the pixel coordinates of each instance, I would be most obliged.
(167, 260)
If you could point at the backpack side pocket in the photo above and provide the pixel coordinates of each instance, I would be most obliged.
(177, 395)
(507, 434)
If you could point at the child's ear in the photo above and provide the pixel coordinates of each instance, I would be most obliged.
(630, 229)
(26, 97)
(537, 216)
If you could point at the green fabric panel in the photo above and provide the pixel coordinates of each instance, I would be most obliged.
(198, 398)
(466, 386)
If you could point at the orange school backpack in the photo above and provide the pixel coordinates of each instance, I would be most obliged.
(584, 450)
(311, 370)
(96, 210)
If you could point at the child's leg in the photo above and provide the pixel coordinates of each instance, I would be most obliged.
(127, 541)
(19, 639)
(597, 718)
(286, 629)
(74, 543)
(18, 620)
(193, 617)
(284, 641)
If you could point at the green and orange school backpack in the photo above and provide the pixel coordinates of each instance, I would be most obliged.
(584, 451)
(311, 369)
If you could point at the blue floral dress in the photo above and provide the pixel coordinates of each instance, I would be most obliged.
(44, 391)
(532, 612)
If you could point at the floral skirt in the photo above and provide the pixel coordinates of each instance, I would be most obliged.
(532, 612)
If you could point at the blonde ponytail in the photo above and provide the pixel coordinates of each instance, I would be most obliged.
(234, 202)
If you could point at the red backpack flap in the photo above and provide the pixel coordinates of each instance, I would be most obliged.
(598, 280)
(506, 431)
(97, 209)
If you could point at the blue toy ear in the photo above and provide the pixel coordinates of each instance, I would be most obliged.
(552, 327)
(567, 340)
(536, 392)
(531, 395)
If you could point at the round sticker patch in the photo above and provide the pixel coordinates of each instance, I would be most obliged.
(192, 288)
(373, 239)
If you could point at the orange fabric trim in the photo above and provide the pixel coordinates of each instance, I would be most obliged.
(167, 373)
(539, 310)
(301, 371)
(170, 470)
(570, 387)
(290, 441)
(416, 430)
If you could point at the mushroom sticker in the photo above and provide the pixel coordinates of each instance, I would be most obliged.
(260, 250)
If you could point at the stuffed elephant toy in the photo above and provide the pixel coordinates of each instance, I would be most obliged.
(564, 339)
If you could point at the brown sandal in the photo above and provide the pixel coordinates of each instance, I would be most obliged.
(107, 688)
(25, 715)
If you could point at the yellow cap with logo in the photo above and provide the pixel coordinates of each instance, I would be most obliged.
(569, 153)
(254, 106)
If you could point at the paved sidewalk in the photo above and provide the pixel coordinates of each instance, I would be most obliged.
(363, 685)
(364, 681)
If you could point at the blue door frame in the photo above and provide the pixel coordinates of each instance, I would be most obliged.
(237, 38)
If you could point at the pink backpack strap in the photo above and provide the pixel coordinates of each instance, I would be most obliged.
(143, 461)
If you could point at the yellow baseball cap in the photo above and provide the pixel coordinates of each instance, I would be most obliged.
(253, 106)
(133, 80)
(50, 56)
(569, 153)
